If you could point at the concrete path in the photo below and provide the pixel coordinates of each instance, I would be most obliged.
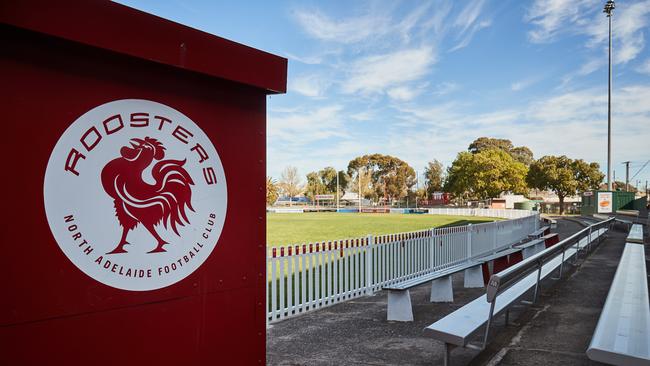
(556, 332)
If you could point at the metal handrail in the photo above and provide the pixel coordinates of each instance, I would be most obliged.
(499, 282)
(503, 280)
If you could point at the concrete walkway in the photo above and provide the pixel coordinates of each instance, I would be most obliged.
(555, 332)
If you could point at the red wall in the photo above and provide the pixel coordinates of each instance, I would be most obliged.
(52, 313)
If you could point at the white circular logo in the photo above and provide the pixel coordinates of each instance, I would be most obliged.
(135, 194)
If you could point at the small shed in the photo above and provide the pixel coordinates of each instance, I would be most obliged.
(605, 202)
(105, 262)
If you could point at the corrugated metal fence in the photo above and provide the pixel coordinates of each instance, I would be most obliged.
(306, 277)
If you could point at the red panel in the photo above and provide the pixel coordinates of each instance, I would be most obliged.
(500, 264)
(515, 258)
(52, 313)
(121, 29)
(550, 240)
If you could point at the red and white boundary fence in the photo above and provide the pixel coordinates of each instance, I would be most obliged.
(306, 277)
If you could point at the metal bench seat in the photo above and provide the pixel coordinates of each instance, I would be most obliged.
(622, 336)
(539, 232)
(500, 254)
(636, 234)
(416, 281)
(399, 297)
(531, 247)
(457, 328)
(506, 288)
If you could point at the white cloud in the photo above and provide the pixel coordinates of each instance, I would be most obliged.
(572, 123)
(644, 68)
(468, 15)
(445, 88)
(311, 85)
(628, 23)
(522, 84)
(309, 60)
(351, 30)
(465, 41)
(585, 17)
(551, 17)
(402, 93)
(406, 25)
(591, 66)
(301, 128)
(518, 85)
(467, 24)
(362, 116)
(374, 74)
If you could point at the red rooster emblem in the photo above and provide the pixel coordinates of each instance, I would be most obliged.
(137, 201)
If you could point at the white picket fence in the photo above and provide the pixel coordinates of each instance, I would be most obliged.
(306, 277)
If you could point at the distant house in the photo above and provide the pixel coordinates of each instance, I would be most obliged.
(288, 201)
(352, 199)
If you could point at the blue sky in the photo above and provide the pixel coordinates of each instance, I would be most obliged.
(421, 80)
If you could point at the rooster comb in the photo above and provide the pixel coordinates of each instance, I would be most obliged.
(151, 141)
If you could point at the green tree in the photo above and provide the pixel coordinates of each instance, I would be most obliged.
(620, 186)
(314, 186)
(324, 182)
(365, 186)
(485, 174)
(272, 191)
(521, 153)
(433, 174)
(564, 176)
(488, 143)
(390, 177)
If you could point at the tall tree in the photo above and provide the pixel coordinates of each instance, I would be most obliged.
(521, 153)
(324, 182)
(487, 143)
(290, 183)
(564, 176)
(365, 186)
(314, 186)
(485, 174)
(272, 191)
(433, 176)
(391, 177)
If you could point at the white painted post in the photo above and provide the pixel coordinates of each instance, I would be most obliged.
(432, 249)
(369, 267)
(469, 241)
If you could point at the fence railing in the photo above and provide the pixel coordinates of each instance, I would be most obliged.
(490, 212)
(306, 277)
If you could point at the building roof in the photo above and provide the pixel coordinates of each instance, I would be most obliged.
(118, 28)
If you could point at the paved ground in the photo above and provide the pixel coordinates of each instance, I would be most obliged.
(555, 332)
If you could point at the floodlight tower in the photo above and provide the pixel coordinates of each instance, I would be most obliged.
(609, 10)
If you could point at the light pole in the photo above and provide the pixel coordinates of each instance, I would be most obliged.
(359, 179)
(337, 191)
(609, 9)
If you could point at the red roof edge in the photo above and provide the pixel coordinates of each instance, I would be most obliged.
(124, 30)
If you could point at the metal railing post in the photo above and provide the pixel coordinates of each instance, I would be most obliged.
(489, 323)
(469, 241)
(369, 265)
(539, 274)
(432, 249)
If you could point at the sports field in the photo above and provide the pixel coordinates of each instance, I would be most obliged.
(294, 228)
